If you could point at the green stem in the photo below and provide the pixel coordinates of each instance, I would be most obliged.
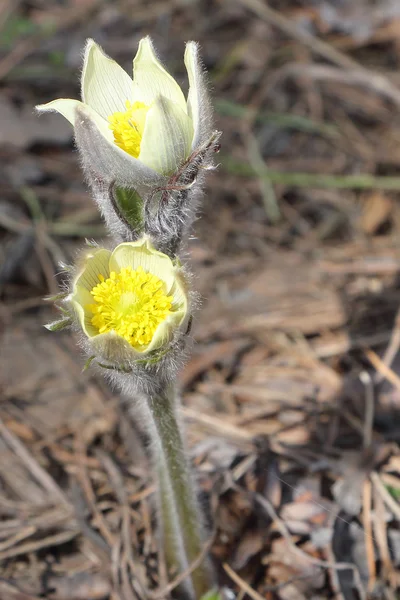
(174, 551)
(178, 498)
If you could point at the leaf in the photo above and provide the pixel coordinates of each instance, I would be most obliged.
(130, 205)
(59, 324)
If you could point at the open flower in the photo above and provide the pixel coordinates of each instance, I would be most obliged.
(136, 129)
(130, 301)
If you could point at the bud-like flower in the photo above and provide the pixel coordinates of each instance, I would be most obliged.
(137, 129)
(130, 302)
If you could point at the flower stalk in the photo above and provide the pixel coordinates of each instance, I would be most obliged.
(176, 486)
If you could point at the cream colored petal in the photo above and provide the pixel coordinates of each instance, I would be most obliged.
(165, 330)
(175, 319)
(105, 85)
(84, 317)
(162, 336)
(150, 79)
(69, 109)
(96, 263)
(81, 301)
(198, 103)
(180, 301)
(65, 106)
(140, 253)
(167, 137)
(82, 295)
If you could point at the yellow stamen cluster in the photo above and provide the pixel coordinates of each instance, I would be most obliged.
(128, 127)
(132, 303)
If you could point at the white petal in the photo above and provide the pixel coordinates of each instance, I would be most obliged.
(198, 104)
(65, 106)
(150, 79)
(140, 253)
(167, 137)
(105, 85)
(102, 157)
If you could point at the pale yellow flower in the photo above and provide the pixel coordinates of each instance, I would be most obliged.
(146, 123)
(134, 296)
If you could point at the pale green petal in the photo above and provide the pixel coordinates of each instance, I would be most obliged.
(82, 295)
(68, 109)
(84, 317)
(65, 106)
(198, 103)
(140, 253)
(81, 300)
(179, 294)
(162, 335)
(176, 318)
(96, 263)
(165, 330)
(150, 79)
(105, 85)
(167, 137)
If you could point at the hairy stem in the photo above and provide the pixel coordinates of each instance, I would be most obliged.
(178, 497)
(171, 534)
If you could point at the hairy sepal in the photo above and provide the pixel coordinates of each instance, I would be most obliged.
(59, 324)
(170, 203)
(171, 209)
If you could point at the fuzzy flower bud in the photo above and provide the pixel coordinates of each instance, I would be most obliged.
(130, 303)
(140, 133)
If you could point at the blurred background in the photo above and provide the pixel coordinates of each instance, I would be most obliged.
(292, 395)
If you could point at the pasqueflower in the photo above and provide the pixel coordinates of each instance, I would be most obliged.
(140, 127)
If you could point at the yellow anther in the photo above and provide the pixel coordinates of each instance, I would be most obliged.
(132, 303)
(128, 127)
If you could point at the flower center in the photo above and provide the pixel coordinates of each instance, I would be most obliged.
(132, 303)
(128, 127)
